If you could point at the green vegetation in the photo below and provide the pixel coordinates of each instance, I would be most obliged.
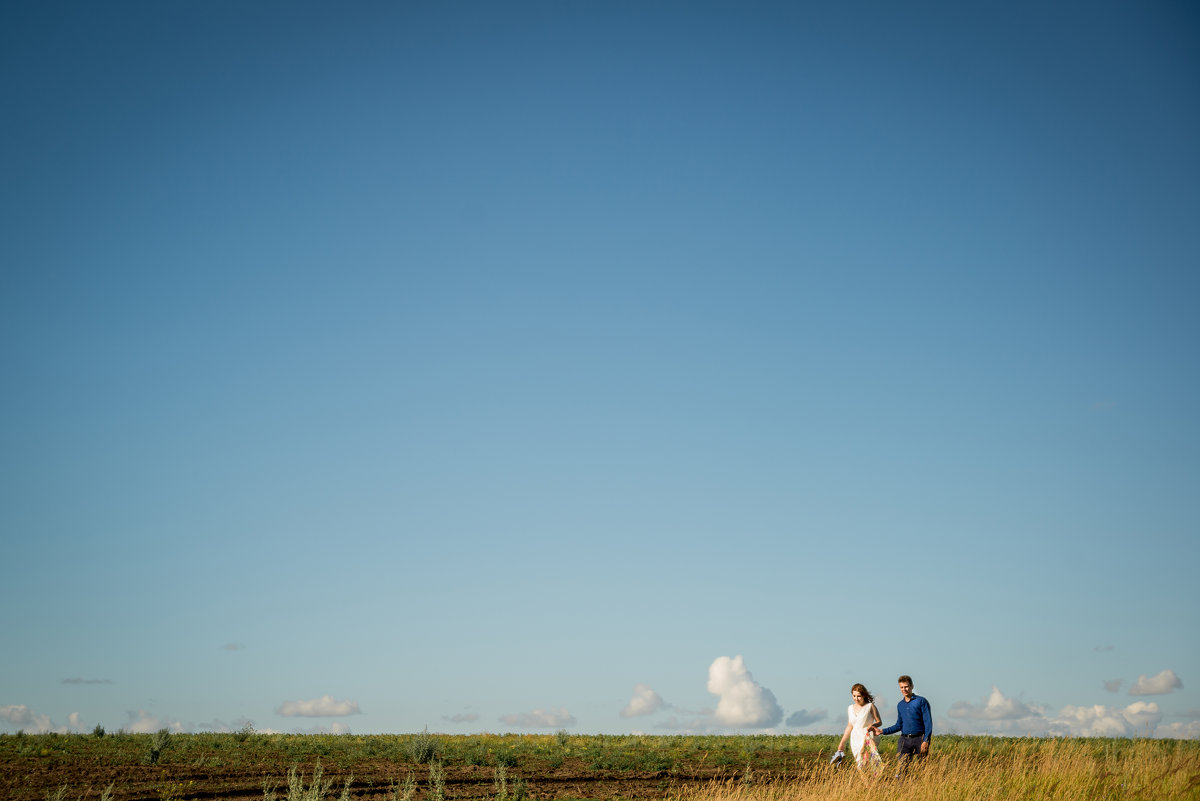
(158, 743)
(249, 765)
(423, 748)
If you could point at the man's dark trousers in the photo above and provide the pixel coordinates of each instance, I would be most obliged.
(909, 746)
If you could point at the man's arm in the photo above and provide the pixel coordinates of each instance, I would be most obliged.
(927, 720)
(895, 728)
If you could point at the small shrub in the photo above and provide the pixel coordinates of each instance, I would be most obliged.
(98, 731)
(423, 748)
(314, 792)
(406, 791)
(158, 743)
(437, 781)
(500, 783)
(345, 796)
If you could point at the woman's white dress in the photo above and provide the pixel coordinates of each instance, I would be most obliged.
(860, 719)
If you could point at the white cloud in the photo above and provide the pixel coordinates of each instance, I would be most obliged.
(698, 723)
(540, 719)
(221, 727)
(996, 707)
(744, 702)
(644, 702)
(142, 722)
(336, 727)
(1143, 716)
(1089, 721)
(1139, 718)
(1189, 730)
(804, 717)
(1163, 683)
(25, 719)
(323, 707)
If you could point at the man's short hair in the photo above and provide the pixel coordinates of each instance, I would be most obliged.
(905, 680)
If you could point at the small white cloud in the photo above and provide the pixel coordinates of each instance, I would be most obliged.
(698, 723)
(75, 722)
(323, 707)
(25, 719)
(996, 707)
(1163, 683)
(805, 717)
(222, 727)
(1142, 716)
(1089, 721)
(336, 727)
(1137, 719)
(142, 722)
(743, 701)
(469, 717)
(1189, 730)
(540, 719)
(644, 702)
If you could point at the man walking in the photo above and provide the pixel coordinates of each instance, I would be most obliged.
(914, 721)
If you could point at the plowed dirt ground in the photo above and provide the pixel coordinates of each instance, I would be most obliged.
(82, 771)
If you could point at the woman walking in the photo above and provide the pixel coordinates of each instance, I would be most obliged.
(862, 715)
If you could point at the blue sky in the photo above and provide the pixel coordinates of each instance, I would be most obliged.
(608, 367)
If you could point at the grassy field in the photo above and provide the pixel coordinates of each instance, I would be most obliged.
(424, 767)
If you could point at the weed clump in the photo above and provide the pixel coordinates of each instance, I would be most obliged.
(437, 781)
(406, 790)
(500, 783)
(158, 743)
(423, 748)
(315, 791)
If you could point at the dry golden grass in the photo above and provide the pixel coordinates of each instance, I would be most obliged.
(1070, 770)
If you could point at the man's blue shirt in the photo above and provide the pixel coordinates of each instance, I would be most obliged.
(914, 717)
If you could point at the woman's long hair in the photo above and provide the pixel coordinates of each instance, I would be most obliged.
(867, 697)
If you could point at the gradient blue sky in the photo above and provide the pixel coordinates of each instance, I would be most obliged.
(609, 367)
